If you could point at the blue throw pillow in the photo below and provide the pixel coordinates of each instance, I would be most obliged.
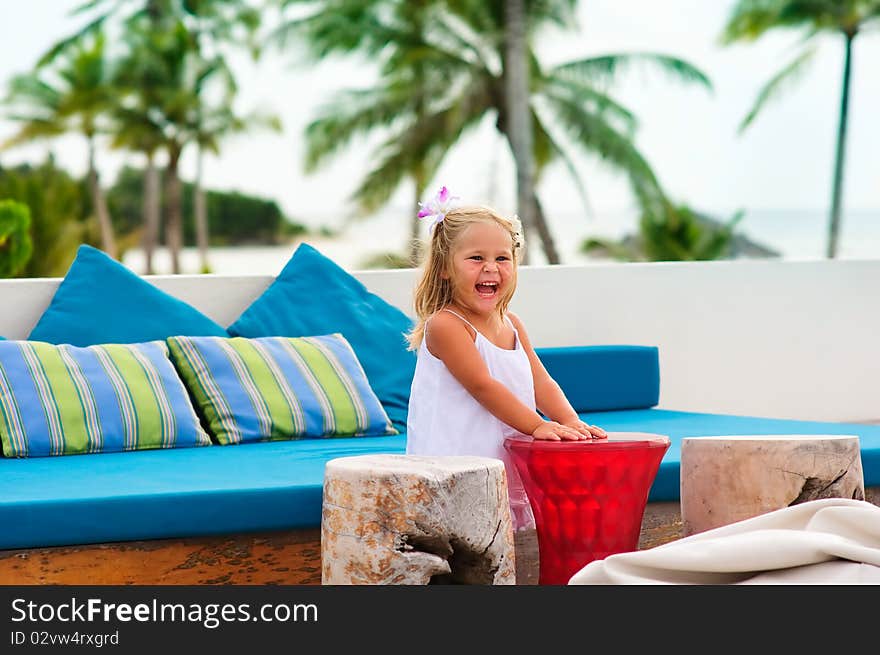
(101, 301)
(312, 296)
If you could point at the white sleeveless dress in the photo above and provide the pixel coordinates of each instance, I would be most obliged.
(445, 419)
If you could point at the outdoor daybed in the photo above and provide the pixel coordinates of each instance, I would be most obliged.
(249, 513)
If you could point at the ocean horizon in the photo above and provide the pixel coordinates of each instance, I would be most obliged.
(795, 234)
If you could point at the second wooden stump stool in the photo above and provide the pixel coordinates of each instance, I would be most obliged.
(410, 519)
(731, 478)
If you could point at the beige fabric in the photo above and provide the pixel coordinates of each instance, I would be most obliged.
(828, 541)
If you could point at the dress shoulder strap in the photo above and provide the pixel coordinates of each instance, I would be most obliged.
(467, 322)
(462, 318)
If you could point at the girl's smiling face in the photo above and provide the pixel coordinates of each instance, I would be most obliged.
(482, 267)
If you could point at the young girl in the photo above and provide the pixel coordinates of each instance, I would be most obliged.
(477, 379)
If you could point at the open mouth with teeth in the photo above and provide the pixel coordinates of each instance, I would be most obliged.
(487, 289)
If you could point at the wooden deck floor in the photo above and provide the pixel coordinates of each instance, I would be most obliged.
(281, 558)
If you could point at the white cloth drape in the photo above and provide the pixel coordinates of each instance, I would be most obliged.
(828, 541)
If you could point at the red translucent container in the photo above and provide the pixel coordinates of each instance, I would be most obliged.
(588, 497)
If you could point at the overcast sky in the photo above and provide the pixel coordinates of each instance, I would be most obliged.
(783, 161)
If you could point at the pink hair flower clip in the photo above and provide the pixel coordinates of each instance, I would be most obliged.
(436, 208)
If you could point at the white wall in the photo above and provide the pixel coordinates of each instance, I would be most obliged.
(764, 338)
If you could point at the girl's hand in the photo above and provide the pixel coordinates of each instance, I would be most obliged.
(553, 431)
(585, 430)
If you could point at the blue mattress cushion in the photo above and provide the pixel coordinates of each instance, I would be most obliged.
(598, 378)
(677, 425)
(156, 494)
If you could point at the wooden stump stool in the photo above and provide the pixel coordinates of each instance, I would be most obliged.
(410, 519)
(731, 478)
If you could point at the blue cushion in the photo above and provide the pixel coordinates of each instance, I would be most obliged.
(600, 378)
(101, 301)
(156, 494)
(312, 296)
(677, 425)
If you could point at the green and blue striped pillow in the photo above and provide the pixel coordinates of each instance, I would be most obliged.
(64, 400)
(274, 388)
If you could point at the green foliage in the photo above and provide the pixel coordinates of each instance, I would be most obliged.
(678, 234)
(235, 218)
(16, 246)
(386, 260)
(670, 233)
(59, 217)
(751, 19)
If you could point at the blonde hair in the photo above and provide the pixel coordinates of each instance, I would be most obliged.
(434, 291)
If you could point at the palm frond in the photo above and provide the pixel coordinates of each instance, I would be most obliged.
(72, 41)
(558, 12)
(337, 27)
(33, 129)
(605, 69)
(751, 19)
(34, 93)
(355, 112)
(594, 134)
(778, 85)
(88, 5)
(548, 143)
(425, 56)
(452, 31)
(593, 101)
(421, 145)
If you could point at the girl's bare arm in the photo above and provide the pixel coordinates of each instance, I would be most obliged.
(451, 341)
(549, 397)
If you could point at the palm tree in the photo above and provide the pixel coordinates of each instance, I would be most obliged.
(212, 126)
(461, 54)
(75, 95)
(750, 19)
(164, 75)
(366, 26)
(165, 80)
(185, 74)
(219, 21)
(136, 131)
(516, 69)
(138, 123)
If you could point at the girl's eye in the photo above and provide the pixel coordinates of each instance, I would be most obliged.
(503, 259)
(476, 257)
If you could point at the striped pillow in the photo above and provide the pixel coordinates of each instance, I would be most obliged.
(273, 388)
(63, 400)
